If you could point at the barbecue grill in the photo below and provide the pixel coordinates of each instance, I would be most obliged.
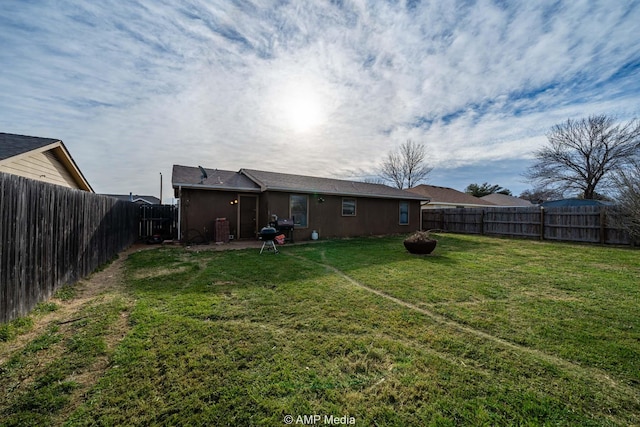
(268, 234)
(284, 225)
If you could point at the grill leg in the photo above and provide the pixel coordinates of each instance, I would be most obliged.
(271, 246)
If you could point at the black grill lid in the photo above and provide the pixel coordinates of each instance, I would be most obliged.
(284, 223)
(268, 233)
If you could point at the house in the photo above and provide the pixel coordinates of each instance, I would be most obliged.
(140, 200)
(251, 199)
(444, 197)
(41, 159)
(503, 200)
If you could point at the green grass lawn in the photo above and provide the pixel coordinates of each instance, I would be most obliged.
(484, 331)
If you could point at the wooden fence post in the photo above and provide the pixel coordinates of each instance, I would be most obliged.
(603, 227)
(542, 223)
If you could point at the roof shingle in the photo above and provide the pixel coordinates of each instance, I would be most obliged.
(276, 181)
(13, 145)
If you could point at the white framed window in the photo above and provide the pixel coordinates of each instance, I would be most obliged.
(348, 206)
(299, 210)
(404, 213)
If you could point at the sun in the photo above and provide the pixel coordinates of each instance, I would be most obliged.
(302, 107)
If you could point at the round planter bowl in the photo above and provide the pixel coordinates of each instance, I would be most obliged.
(420, 248)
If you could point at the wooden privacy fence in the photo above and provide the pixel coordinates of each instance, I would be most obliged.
(590, 224)
(51, 236)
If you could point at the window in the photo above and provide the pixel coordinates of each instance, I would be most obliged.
(404, 213)
(348, 207)
(298, 207)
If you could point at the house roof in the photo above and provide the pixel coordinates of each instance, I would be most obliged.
(505, 200)
(258, 181)
(275, 181)
(151, 200)
(191, 177)
(13, 146)
(448, 195)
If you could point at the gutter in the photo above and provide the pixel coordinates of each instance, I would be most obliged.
(216, 187)
(179, 213)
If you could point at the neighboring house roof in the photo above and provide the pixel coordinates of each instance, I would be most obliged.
(573, 202)
(259, 181)
(506, 200)
(13, 145)
(149, 200)
(448, 196)
(43, 159)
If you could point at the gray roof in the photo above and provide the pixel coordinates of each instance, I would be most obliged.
(506, 200)
(447, 195)
(275, 181)
(13, 145)
(191, 177)
(259, 181)
(151, 200)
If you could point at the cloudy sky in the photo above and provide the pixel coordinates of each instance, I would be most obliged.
(312, 87)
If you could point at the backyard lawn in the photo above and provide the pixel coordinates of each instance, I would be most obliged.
(484, 331)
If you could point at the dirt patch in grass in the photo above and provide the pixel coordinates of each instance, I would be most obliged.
(151, 273)
(556, 295)
(101, 283)
(50, 367)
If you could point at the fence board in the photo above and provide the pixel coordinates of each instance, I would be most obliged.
(51, 236)
(589, 224)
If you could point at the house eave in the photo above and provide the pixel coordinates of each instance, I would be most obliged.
(59, 150)
(73, 168)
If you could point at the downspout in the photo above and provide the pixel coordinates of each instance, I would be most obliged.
(179, 213)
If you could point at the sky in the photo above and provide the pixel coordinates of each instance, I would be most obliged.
(313, 87)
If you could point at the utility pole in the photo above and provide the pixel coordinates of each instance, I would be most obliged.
(160, 187)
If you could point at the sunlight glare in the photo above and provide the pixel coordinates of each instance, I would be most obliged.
(302, 108)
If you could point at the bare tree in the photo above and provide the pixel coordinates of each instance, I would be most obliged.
(373, 180)
(628, 183)
(540, 195)
(582, 155)
(407, 166)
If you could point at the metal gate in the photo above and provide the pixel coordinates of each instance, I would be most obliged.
(158, 222)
